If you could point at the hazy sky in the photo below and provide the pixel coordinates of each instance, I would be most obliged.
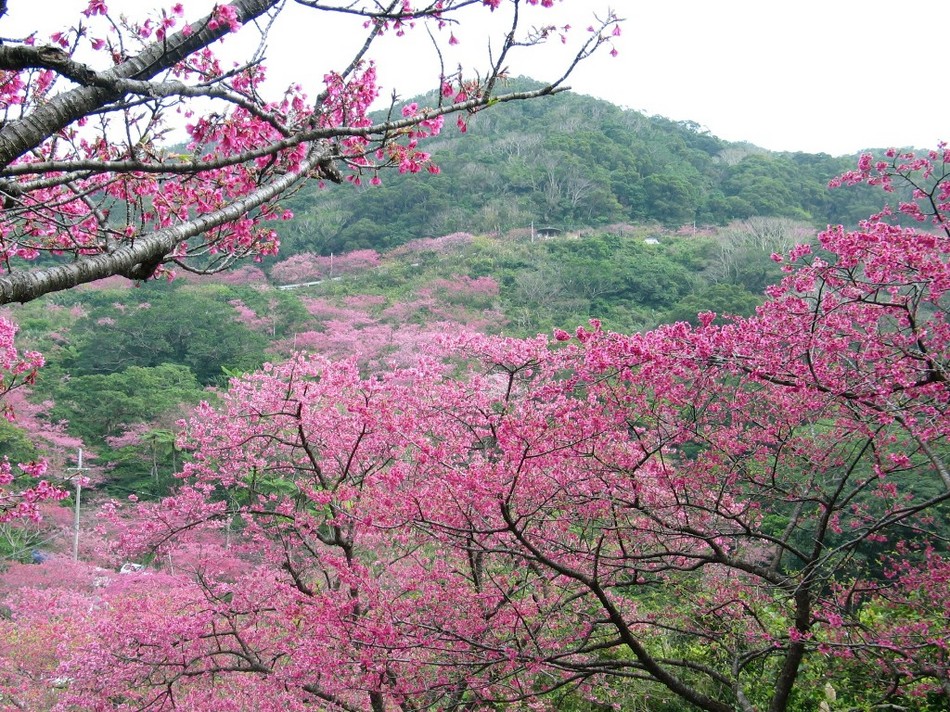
(833, 76)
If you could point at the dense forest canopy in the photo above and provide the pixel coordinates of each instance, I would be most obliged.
(572, 161)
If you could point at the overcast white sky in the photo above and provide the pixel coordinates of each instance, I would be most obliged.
(831, 76)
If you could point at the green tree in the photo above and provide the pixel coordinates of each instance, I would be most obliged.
(188, 326)
(671, 199)
(103, 405)
(719, 298)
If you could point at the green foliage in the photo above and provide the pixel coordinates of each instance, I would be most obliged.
(767, 185)
(144, 400)
(669, 198)
(14, 443)
(619, 279)
(188, 326)
(722, 299)
(18, 540)
(573, 161)
(630, 278)
(146, 468)
(102, 405)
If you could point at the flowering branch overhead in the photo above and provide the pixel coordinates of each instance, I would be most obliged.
(87, 176)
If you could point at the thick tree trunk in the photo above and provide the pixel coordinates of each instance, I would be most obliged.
(796, 653)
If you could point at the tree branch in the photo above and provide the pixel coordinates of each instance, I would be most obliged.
(134, 259)
(19, 137)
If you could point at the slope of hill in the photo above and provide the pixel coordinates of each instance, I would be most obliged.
(573, 161)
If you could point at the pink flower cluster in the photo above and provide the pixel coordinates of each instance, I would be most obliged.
(225, 15)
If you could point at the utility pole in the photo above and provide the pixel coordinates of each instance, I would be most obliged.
(79, 469)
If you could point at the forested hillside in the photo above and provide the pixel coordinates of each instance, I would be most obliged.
(599, 412)
(572, 161)
(663, 517)
(122, 364)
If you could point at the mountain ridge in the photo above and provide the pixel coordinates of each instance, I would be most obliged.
(573, 161)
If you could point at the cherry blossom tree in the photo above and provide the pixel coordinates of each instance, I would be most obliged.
(709, 514)
(47, 600)
(89, 183)
(307, 266)
(706, 514)
(380, 334)
(18, 369)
